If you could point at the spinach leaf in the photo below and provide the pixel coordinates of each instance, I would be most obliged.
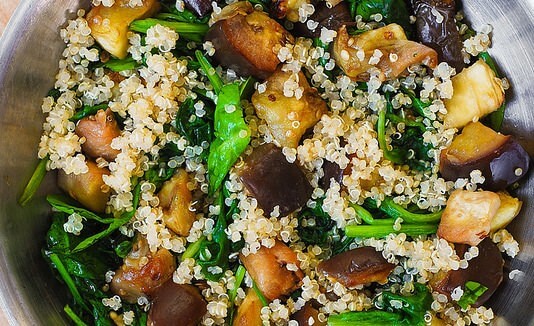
(392, 11)
(88, 110)
(60, 203)
(232, 133)
(495, 119)
(35, 181)
(198, 131)
(472, 291)
(118, 65)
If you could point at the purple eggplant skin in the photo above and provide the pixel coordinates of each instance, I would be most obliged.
(330, 18)
(501, 169)
(357, 267)
(200, 7)
(273, 181)
(331, 171)
(444, 36)
(177, 304)
(486, 269)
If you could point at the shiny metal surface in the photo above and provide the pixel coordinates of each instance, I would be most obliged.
(29, 52)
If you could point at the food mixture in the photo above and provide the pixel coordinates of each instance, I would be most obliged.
(292, 162)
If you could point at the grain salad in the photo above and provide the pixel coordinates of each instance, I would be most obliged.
(278, 163)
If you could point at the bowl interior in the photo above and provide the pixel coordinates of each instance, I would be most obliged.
(29, 54)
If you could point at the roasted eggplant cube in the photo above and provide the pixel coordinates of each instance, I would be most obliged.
(99, 130)
(329, 18)
(436, 28)
(273, 181)
(247, 43)
(174, 302)
(357, 267)
(200, 7)
(485, 269)
(501, 159)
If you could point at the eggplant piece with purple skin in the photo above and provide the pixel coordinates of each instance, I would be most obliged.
(200, 7)
(357, 267)
(485, 269)
(174, 303)
(500, 158)
(329, 18)
(247, 43)
(273, 181)
(436, 28)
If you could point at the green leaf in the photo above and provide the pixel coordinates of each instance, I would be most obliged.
(117, 223)
(232, 135)
(88, 111)
(60, 204)
(34, 182)
(208, 69)
(395, 211)
(123, 249)
(392, 11)
(72, 315)
(191, 31)
(58, 265)
(472, 291)
(118, 65)
(383, 230)
(496, 118)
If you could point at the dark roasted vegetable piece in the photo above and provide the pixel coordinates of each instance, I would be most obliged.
(142, 272)
(174, 302)
(87, 188)
(357, 267)
(485, 269)
(256, 57)
(273, 181)
(440, 34)
(199, 7)
(330, 18)
(175, 200)
(307, 316)
(99, 131)
(500, 158)
(331, 171)
(269, 269)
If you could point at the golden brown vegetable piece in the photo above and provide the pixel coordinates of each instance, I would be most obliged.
(357, 267)
(467, 216)
(142, 272)
(175, 199)
(249, 312)
(88, 188)
(477, 92)
(109, 25)
(308, 316)
(275, 270)
(176, 302)
(248, 44)
(508, 210)
(501, 159)
(386, 48)
(99, 130)
(273, 181)
(288, 9)
(288, 118)
(485, 269)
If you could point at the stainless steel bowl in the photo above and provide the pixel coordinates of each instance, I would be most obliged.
(29, 52)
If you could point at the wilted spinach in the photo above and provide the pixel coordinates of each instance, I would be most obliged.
(392, 11)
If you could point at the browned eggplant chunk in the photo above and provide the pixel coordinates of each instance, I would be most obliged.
(176, 303)
(485, 269)
(248, 44)
(273, 181)
(501, 159)
(175, 199)
(357, 267)
(99, 130)
(288, 118)
(200, 7)
(308, 316)
(249, 312)
(142, 272)
(88, 189)
(269, 268)
(441, 33)
(330, 18)
(109, 25)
